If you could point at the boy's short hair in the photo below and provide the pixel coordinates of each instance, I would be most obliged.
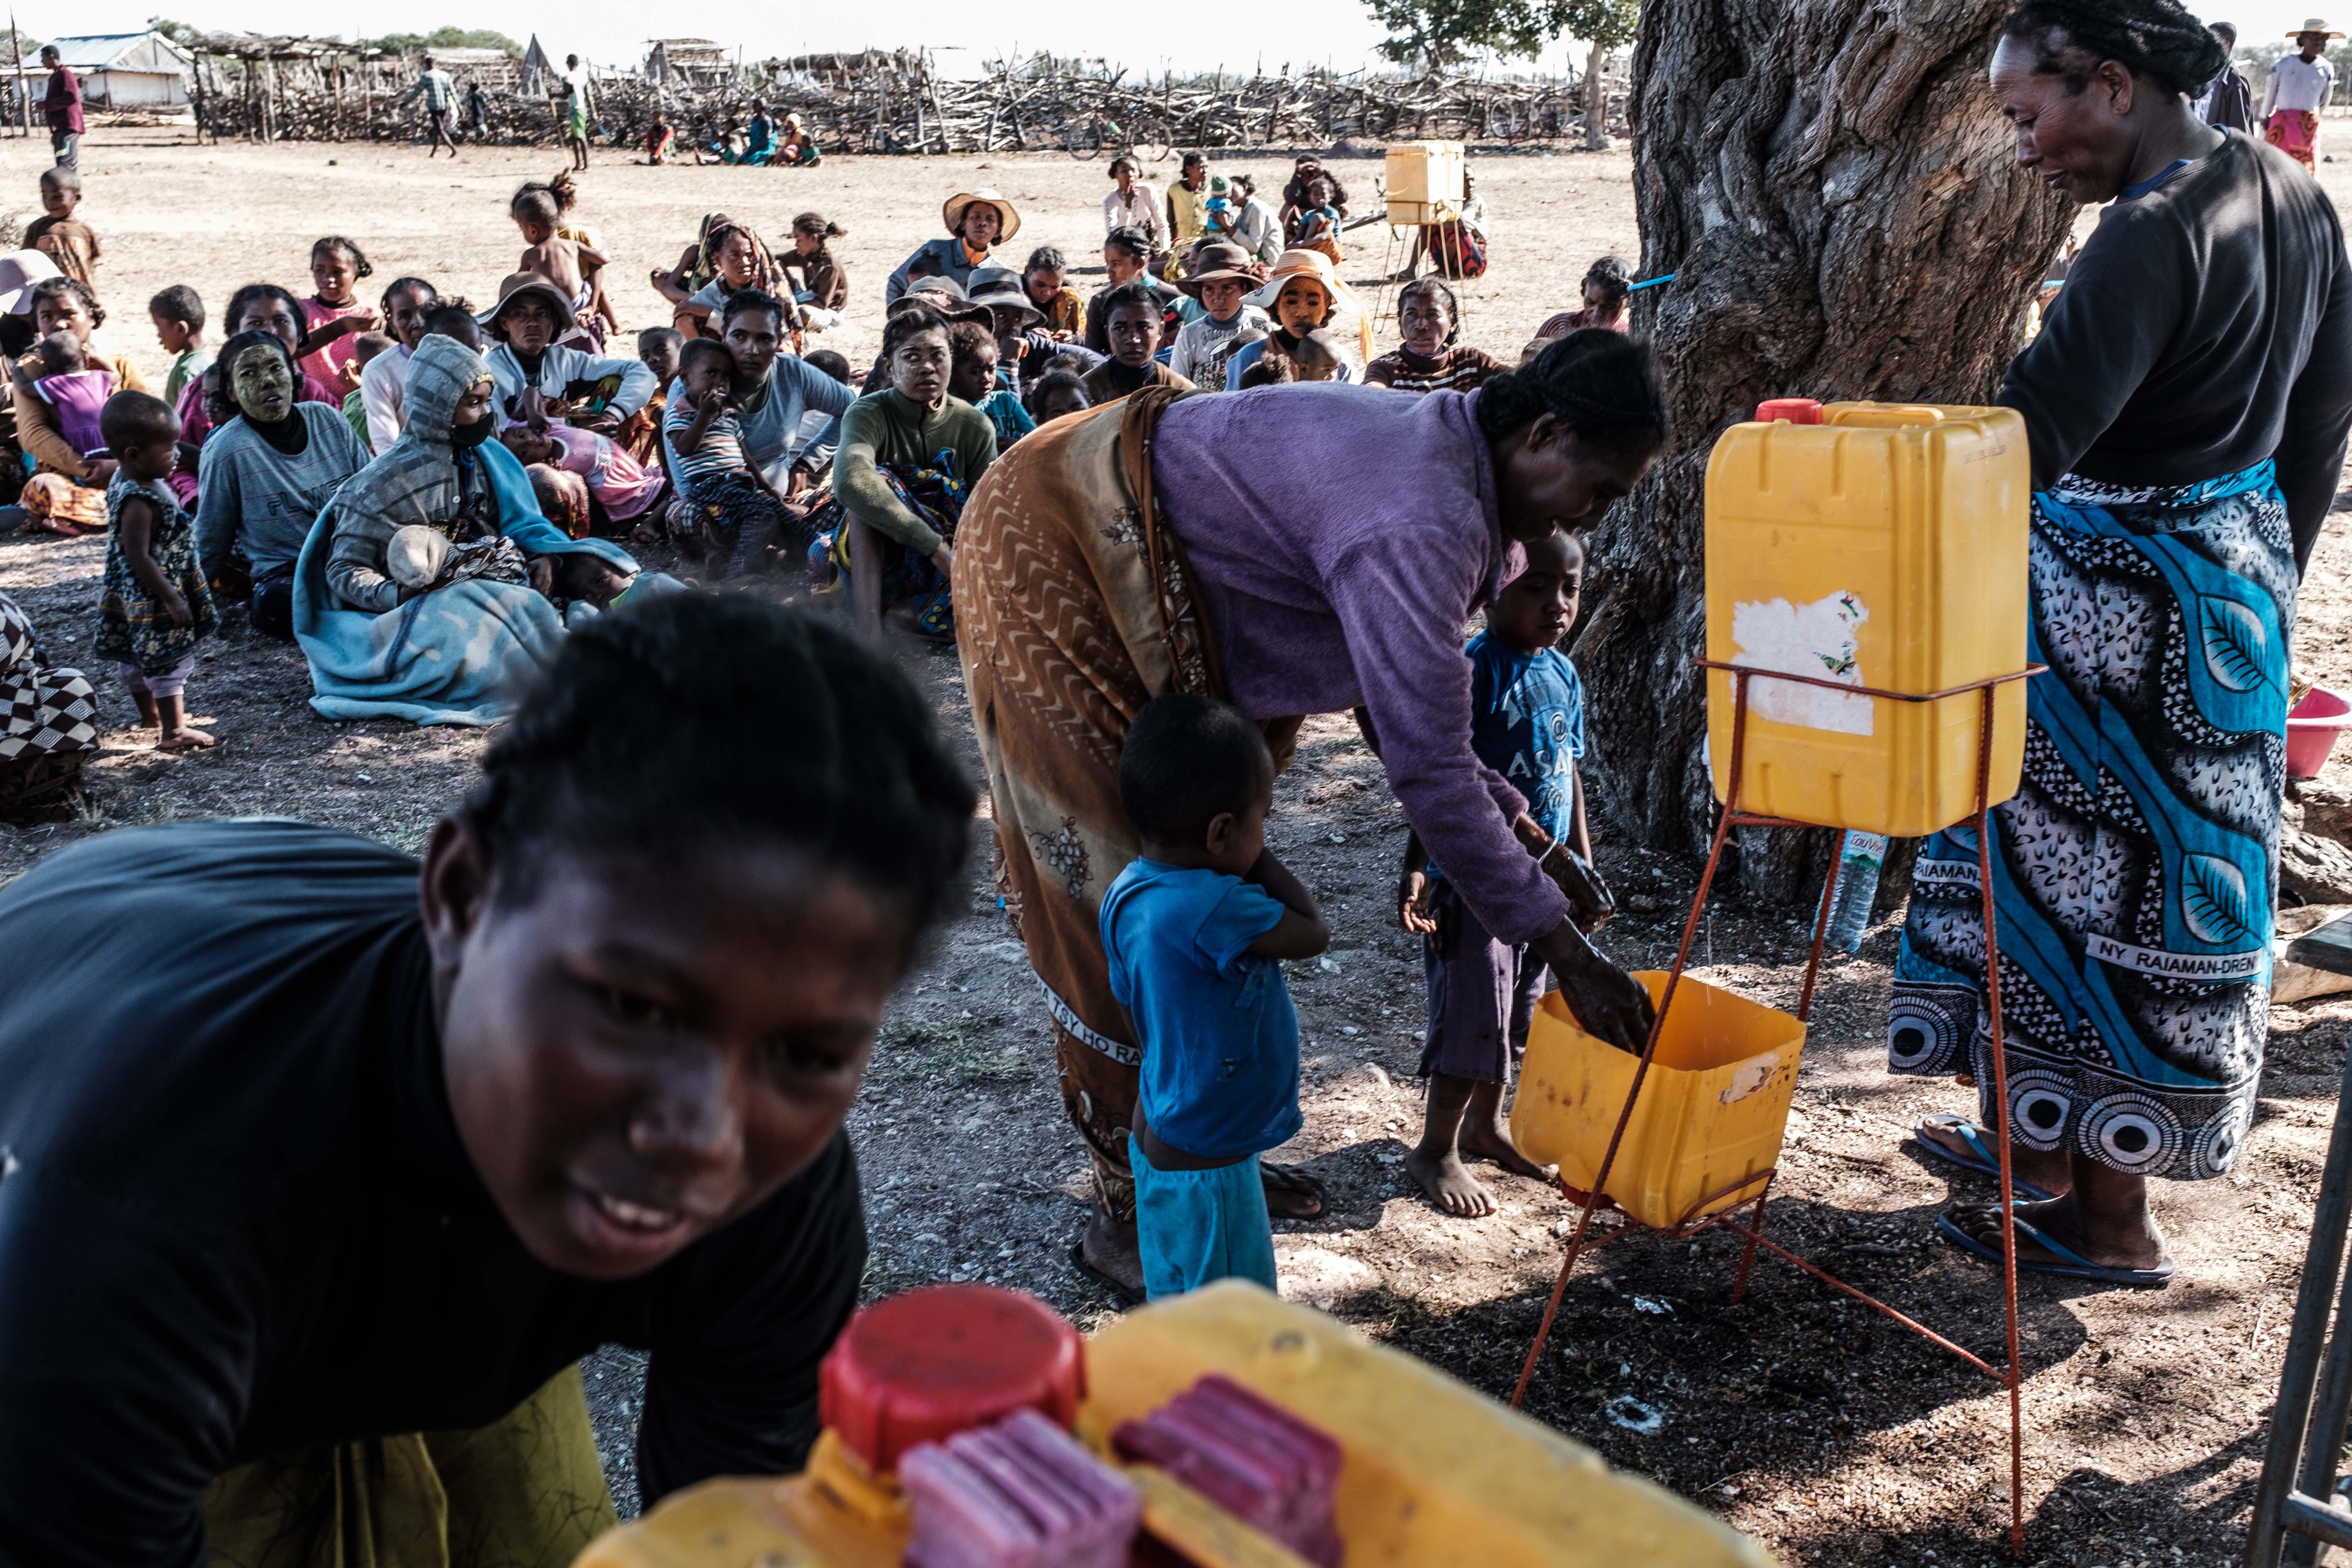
(967, 338)
(1189, 758)
(451, 319)
(367, 345)
(703, 350)
(831, 363)
(1136, 292)
(62, 176)
(136, 419)
(59, 353)
(669, 335)
(1052, 381)
(179, 303)
(745, 300)
(1318, 348)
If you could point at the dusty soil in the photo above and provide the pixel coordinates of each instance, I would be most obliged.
(1829, 1433)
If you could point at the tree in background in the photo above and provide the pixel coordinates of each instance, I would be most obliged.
(1606, 25)
(180, 33)
(1434, 34)
(1836, 195)
(443, 38)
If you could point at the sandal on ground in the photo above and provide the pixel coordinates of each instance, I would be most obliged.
(1980, 1159)
(2068, 1263)
(1290, 1192)
(1121, 1293)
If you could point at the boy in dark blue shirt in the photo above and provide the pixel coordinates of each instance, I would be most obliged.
(1194, 930)
(1527, 705)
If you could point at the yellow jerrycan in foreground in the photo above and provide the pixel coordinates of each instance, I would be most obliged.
(1432, 1472)
(1867, 544)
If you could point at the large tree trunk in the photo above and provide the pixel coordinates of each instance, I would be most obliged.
(1836, 193)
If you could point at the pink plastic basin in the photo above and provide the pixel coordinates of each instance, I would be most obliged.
(2311, 731)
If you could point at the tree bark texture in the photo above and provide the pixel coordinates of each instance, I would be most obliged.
(1836, 195)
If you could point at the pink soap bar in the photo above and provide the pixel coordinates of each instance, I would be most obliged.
(1254, 1459)
(1020, 1494)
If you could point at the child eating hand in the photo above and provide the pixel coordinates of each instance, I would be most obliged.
(1194, 929)
(154, 607)
(1527, 724)
(724, 496)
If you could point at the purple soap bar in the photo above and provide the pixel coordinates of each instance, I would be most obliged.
(1254, 1459)
(1021, 1494)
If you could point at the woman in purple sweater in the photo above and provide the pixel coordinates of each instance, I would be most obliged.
(1169, 544)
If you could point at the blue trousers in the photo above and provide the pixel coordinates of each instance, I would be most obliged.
(1196, 1227)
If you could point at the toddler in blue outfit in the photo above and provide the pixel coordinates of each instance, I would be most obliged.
(1195, 931)
(1526, 722)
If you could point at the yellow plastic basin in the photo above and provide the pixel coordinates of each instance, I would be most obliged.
(1712, 1112)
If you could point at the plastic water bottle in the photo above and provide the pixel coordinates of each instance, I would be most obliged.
(1858, 864)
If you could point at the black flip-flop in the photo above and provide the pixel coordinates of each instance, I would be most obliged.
(1291, 1179)
(1121, 1293)
(1984, 1162)
(2069, 1265)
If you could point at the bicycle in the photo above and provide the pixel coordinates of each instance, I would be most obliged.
(1146, 139)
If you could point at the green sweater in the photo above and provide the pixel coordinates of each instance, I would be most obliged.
(888, 426)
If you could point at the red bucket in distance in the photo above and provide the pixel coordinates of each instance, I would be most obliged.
(2311, 731)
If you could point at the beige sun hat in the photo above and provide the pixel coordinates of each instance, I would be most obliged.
(538, 283)
(2312, 25)
(952, 211)
(1301, 264)
(414, 556)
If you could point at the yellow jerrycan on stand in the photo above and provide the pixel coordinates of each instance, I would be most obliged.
(1870, 544)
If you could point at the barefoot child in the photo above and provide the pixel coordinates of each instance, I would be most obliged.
(728, 502)
(1194, 929)
(154, 607)
(570, 264)
(178, 313)
(1527, 724)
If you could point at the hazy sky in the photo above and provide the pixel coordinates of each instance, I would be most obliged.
(1141, 36)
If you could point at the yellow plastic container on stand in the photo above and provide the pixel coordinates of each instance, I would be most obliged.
(1423, 182)
(1434, 1472)
(1882, 546)
(1712, 1113)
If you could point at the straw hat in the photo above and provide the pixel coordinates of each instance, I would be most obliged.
(516, 284)
(2312, 25)
(1219, 263)
(953, 213)
(1002, 287)
(1311, 264)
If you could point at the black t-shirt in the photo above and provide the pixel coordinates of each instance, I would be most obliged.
(236, 1219)
(2205, 326)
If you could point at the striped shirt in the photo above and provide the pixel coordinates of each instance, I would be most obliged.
(720, 453)
(1458, 369)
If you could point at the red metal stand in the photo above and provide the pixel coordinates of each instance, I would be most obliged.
(1693, 1223)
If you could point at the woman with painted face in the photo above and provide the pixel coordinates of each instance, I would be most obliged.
(2184, 408)
(539, 378)
(1229, 568)
(976, 220)
(66, 493)
(263, 476)
(325, 1162)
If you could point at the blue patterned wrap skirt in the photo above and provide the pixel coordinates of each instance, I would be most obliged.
(2134, 872)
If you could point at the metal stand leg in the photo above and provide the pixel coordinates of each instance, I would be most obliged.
(2280, 1508)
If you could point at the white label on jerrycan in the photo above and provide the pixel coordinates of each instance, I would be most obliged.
(1815, 639)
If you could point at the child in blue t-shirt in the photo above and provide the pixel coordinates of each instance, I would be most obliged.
(1526, 722)
(1194, 930)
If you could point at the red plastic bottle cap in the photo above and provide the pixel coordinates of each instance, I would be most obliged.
(923, 1366)
(1795, 410)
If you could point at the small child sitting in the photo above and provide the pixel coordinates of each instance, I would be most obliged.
(154, 607)
(1527, 724)
(58, 234)
(1316, 358)
(730, 508)
(974, 379)
(78, 393)
(364, 349)
(1194, 929)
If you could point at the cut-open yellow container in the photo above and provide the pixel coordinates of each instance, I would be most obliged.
(1712, 1112)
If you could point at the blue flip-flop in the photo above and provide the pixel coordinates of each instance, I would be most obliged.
(1984, 1163)
(2072, 1265)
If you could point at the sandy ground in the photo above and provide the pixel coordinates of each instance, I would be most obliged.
(1829, 1433)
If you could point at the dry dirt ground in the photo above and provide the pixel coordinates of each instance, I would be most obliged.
(1830, 1434)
